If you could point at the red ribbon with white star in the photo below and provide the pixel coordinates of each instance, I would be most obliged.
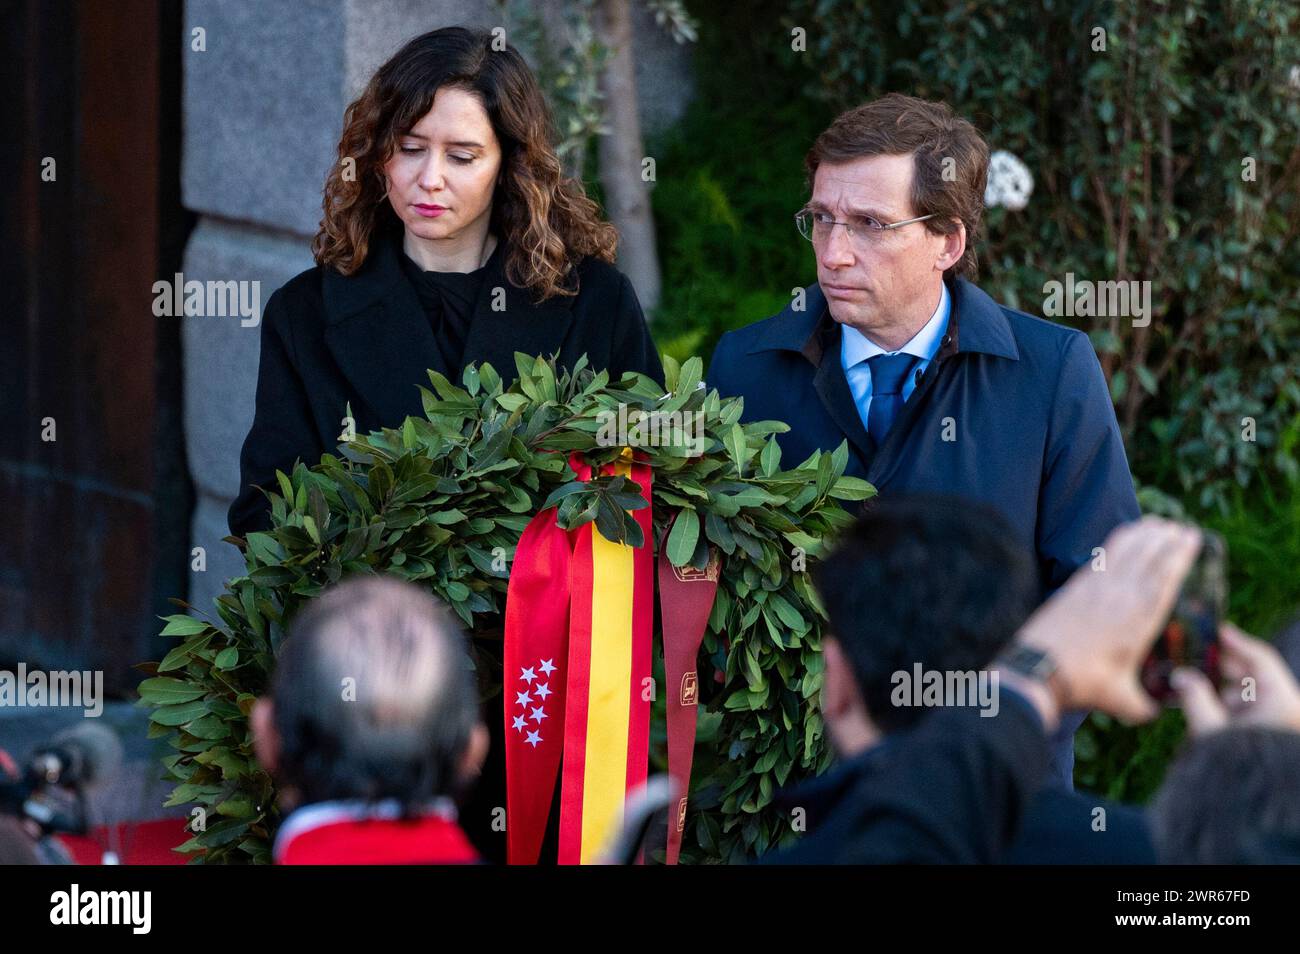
(577, 678)
(536, 644)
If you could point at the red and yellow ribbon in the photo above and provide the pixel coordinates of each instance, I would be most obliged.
(577, 677)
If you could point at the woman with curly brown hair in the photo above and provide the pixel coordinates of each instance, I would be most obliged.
(450, 236)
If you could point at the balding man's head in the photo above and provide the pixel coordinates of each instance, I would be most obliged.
(372, 698)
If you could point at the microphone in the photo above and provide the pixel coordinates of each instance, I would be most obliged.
(49, 788)
(85, 755)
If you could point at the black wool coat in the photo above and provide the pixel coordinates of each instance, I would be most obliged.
(328, 340)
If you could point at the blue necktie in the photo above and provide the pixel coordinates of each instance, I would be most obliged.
(888, 372)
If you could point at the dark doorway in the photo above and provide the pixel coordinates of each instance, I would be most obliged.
(95, 525)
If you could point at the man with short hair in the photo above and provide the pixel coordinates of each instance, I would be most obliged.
(896, 628)
(371, 729)
(936, 387)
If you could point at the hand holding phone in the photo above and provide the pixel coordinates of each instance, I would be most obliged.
(1259, 688)
(1191, 637)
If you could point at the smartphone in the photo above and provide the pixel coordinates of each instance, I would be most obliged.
(1191, 637)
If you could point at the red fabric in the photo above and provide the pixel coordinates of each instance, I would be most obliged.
(643, 596)
(142, 843)
(548, 619)
(578, 690)
(537, 632)
(577, 683)
(430, 840)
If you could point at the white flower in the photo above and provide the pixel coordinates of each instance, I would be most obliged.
(1295, 77)
(1010, 182)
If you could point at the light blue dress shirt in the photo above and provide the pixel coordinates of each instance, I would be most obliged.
(856, 348)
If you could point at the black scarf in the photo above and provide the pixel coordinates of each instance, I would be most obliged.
(448, 299)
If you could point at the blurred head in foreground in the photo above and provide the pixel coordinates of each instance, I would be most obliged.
(1232, 798)
(372, 698)
(923, 581)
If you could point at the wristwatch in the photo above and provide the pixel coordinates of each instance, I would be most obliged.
(1034, 664)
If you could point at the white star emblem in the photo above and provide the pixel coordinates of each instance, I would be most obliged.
(539, 714)
(547, 667)
(519, 723)
(533, 739)
(522, 698)
(543, 690)
(528, 675)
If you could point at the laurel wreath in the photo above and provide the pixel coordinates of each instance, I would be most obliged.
(442, 501)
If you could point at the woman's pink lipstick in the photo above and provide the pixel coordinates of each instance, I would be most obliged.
(429, 211)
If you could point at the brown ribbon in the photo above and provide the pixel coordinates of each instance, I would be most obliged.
(685, 601)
